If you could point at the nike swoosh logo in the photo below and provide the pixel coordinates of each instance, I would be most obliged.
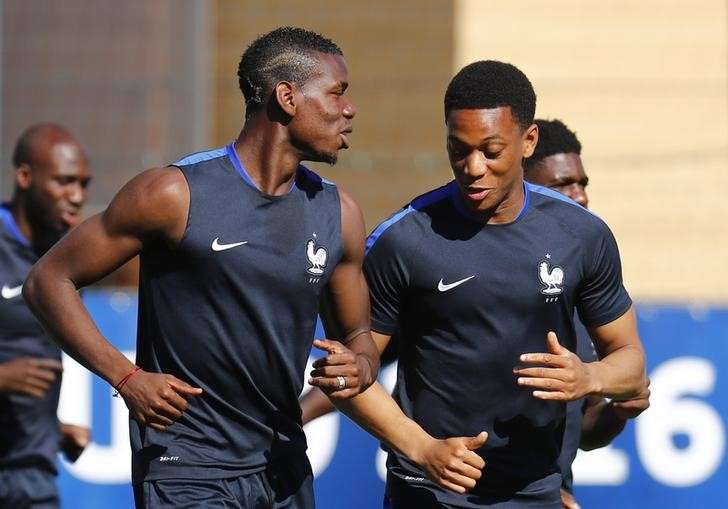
(10, 293)
(216, 246)
(445, 287)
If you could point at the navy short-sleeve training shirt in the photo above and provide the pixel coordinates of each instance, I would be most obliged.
(467, 299)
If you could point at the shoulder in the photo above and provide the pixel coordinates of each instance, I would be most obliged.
(580, 221)
(154, 200)
(393, 228)
(201, 157)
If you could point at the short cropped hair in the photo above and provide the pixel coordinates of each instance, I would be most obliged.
(491, 84)
(285, 54)
(553, 138)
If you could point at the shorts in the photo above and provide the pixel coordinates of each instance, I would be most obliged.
(28, 488)
(426, 495)
(285, 486)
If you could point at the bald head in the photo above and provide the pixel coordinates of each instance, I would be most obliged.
(38, 141)
(51, 176)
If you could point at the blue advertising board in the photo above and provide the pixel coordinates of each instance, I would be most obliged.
(671, 456)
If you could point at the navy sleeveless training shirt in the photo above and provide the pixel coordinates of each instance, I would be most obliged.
(232, 310)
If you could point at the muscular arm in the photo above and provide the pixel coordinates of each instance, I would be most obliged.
(150, 208)
(620, 372)
(450, 463)
(560, 374)
(347, 315)
(604, 420)
(315, 403)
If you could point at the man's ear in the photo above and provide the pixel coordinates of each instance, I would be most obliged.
(23, 177)
(530, 139)
(286, 97)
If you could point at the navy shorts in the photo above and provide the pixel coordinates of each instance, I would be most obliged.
(28, 488)
(426, 495)
(285, 486)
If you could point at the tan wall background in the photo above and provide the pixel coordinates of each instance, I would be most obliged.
(645, 86)
(399, 56)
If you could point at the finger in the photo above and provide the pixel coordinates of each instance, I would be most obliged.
(552, 343)
(48, 364)
(335, 359)
(477, 441)
(33, 391)
(183, 387)
(160, 419)
(451, 486)
(545, 359)
(551, 395)
(542, 383)
(156, 426)
(332, 384)
(37, 383)
(474, 460)
(460, 480)
(557, 373)
(467, 470)
(177, 401)
(167, 412)
(334, 371)
(43, 374)
(328, 346)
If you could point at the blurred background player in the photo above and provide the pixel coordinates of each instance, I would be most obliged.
(592, 422)
(237, 246)
(51, 180)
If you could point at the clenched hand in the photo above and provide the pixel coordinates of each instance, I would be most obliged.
(157, 400)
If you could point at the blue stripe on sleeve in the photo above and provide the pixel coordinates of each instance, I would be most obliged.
(198, 157)
(418, 203)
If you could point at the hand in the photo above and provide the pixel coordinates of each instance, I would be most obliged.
(156, 400)
(451, 463)
(631, 408)
(74, 440)
(561, 375)
(28, 375)
(340, 362)
(567, 500)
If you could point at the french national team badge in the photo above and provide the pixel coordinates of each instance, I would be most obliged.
(317, 256)
(552, 278)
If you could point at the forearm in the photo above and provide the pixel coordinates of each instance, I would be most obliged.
(56, 303)
(620, 374)
(314, 404)
(600, 425)
(376, 412)
(363, 345)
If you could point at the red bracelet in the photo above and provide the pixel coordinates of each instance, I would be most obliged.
(118, 386)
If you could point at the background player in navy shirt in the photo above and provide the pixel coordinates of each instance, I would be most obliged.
(237, 247)
(592, 422)
(481, 278)
(51, 179)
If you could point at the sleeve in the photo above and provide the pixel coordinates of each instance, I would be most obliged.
(387, 277)
(602, 297)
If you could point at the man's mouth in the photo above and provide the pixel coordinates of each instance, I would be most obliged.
(344, 138)
(70, 217)
(477, 193)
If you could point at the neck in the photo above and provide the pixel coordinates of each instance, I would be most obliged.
(265, 150)
(39, 238)
(508, 209)
(20, 215)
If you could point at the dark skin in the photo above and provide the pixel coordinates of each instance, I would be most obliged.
(306, 121)
(603, 420)
(50, 191)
